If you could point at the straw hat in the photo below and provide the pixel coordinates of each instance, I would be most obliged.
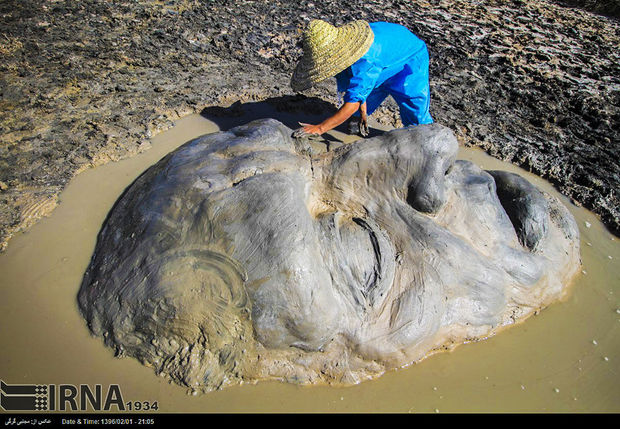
(328, 50)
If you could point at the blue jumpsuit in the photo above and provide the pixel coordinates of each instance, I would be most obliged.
(396, 64)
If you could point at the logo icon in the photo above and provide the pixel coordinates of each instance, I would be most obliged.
(26, 397)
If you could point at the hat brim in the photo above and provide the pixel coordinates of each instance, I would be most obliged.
(351, 43)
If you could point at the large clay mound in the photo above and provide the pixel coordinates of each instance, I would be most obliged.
(245, 255)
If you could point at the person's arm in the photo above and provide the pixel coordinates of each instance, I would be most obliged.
(344, 113)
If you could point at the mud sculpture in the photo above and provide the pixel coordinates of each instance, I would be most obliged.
(245, 255)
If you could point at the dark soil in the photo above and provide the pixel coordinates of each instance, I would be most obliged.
(82, 83)
(604, 7)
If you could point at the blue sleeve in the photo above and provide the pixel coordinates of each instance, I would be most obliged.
(365, 76)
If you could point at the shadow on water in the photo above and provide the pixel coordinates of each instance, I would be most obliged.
(288, 109)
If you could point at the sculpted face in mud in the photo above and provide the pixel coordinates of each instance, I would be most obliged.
(241, 256)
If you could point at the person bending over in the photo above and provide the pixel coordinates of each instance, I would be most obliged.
(370, 61)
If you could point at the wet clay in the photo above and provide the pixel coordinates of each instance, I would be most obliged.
(242, 256)
(523, 369)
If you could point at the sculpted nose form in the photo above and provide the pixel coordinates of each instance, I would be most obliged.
(427, 197)
(427, 192)
(412, 162)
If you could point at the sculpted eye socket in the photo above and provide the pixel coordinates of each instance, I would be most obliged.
(371, 279)
(374, 271)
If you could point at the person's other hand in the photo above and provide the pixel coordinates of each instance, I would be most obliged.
(364, 131)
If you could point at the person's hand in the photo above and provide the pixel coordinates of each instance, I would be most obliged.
(364, 131)
(307, 130)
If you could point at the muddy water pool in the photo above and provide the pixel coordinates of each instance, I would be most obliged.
(565, 359)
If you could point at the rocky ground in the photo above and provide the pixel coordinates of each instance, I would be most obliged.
(82, 83)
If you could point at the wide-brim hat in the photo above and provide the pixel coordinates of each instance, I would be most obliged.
(328, 50)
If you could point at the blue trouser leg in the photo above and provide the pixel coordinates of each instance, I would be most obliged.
(411, 90)
(414, 110)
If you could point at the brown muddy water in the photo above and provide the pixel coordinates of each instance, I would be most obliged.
(565, 359)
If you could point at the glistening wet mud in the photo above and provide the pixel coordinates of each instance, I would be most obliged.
(563, 359)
